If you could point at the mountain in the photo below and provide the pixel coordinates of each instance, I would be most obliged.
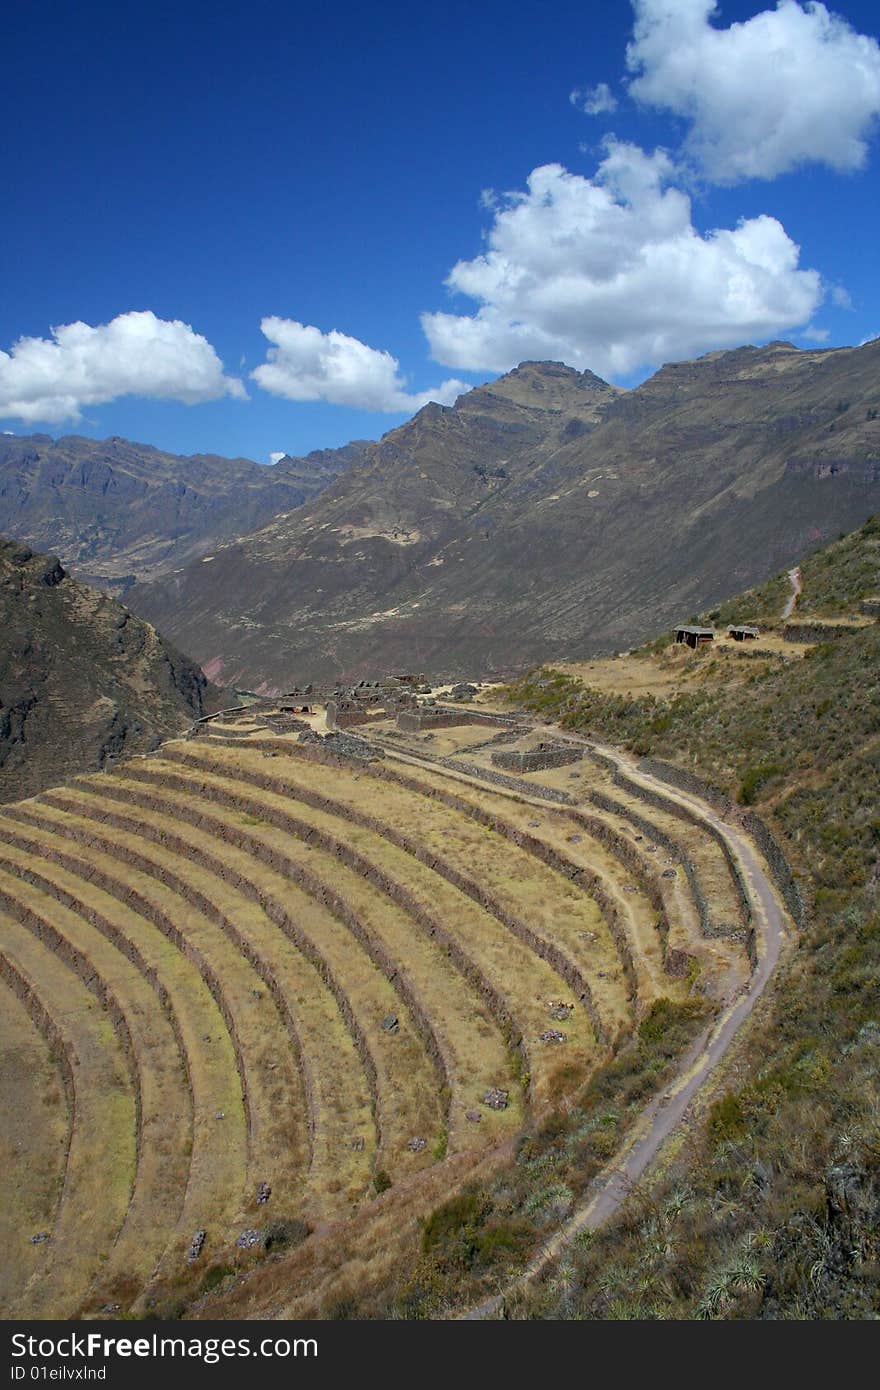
(81, 678)
(115, 511)
(545, 515)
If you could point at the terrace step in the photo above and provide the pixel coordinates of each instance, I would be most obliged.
(247, 895)
(487, 948)
(165, 932)
(271, 1085)
(164, 1109)
(562, 924)
(34, 1138)
(552, 836)
(350, 918)
(100, 1171)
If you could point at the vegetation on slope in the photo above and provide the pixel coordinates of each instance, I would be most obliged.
(771, 1207)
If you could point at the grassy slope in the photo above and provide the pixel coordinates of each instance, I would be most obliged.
(771, 1207)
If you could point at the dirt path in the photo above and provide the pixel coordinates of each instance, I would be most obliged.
(666, 1111)
(796, 581)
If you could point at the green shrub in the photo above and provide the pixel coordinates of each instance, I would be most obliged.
(452, 1231)
(726, 1118)
(285, 1233)
(755, 779)
(215, 1276)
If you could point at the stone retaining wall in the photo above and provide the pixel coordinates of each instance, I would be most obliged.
(779, 865)
(546, 950)
(316, 887)
(687, 782)
(684, 813)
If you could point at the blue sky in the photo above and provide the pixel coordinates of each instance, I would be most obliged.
(179, 175)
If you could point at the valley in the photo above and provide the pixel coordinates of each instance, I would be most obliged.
(421, 997)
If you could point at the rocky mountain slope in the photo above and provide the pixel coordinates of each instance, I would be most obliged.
(81, 678)
(545, 515)
(115, 511)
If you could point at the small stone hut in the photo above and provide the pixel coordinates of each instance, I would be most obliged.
(694, 636)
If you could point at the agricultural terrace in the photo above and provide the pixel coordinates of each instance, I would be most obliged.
(260, 992)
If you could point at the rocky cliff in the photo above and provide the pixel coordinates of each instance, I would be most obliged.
(81, 678)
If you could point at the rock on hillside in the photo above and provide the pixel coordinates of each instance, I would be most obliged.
(115, 511)
(81, 678)
(546, 515)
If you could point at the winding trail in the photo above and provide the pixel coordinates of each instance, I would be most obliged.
(795, 579)
(663, 1115)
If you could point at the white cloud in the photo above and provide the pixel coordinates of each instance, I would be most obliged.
(277, 455)
(593, 101)
(842, 297)
(305, 364)
(816, 335)
(138, 354)
(610, 273)
(788, 87)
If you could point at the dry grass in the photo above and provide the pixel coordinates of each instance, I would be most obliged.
(101, 1159)
(218, 1171)
(555, 828)
(33, 1143)
(165, 1117)
(276, 1111)
(477, 1052)
(677, 668)
(553, 908)
(408, 1090)
(282, 910)
(526, 980)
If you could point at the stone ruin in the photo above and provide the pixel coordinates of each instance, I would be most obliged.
(344, 745)
(496, 1098)
(356, 704)
(196, 1246)
(539, 758)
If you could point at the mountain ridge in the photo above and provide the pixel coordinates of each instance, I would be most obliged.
(543, 515)
(116, 510)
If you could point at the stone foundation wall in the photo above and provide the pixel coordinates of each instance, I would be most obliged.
(442, 717)
(816, 632)
(350, 718)
(537, 759)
